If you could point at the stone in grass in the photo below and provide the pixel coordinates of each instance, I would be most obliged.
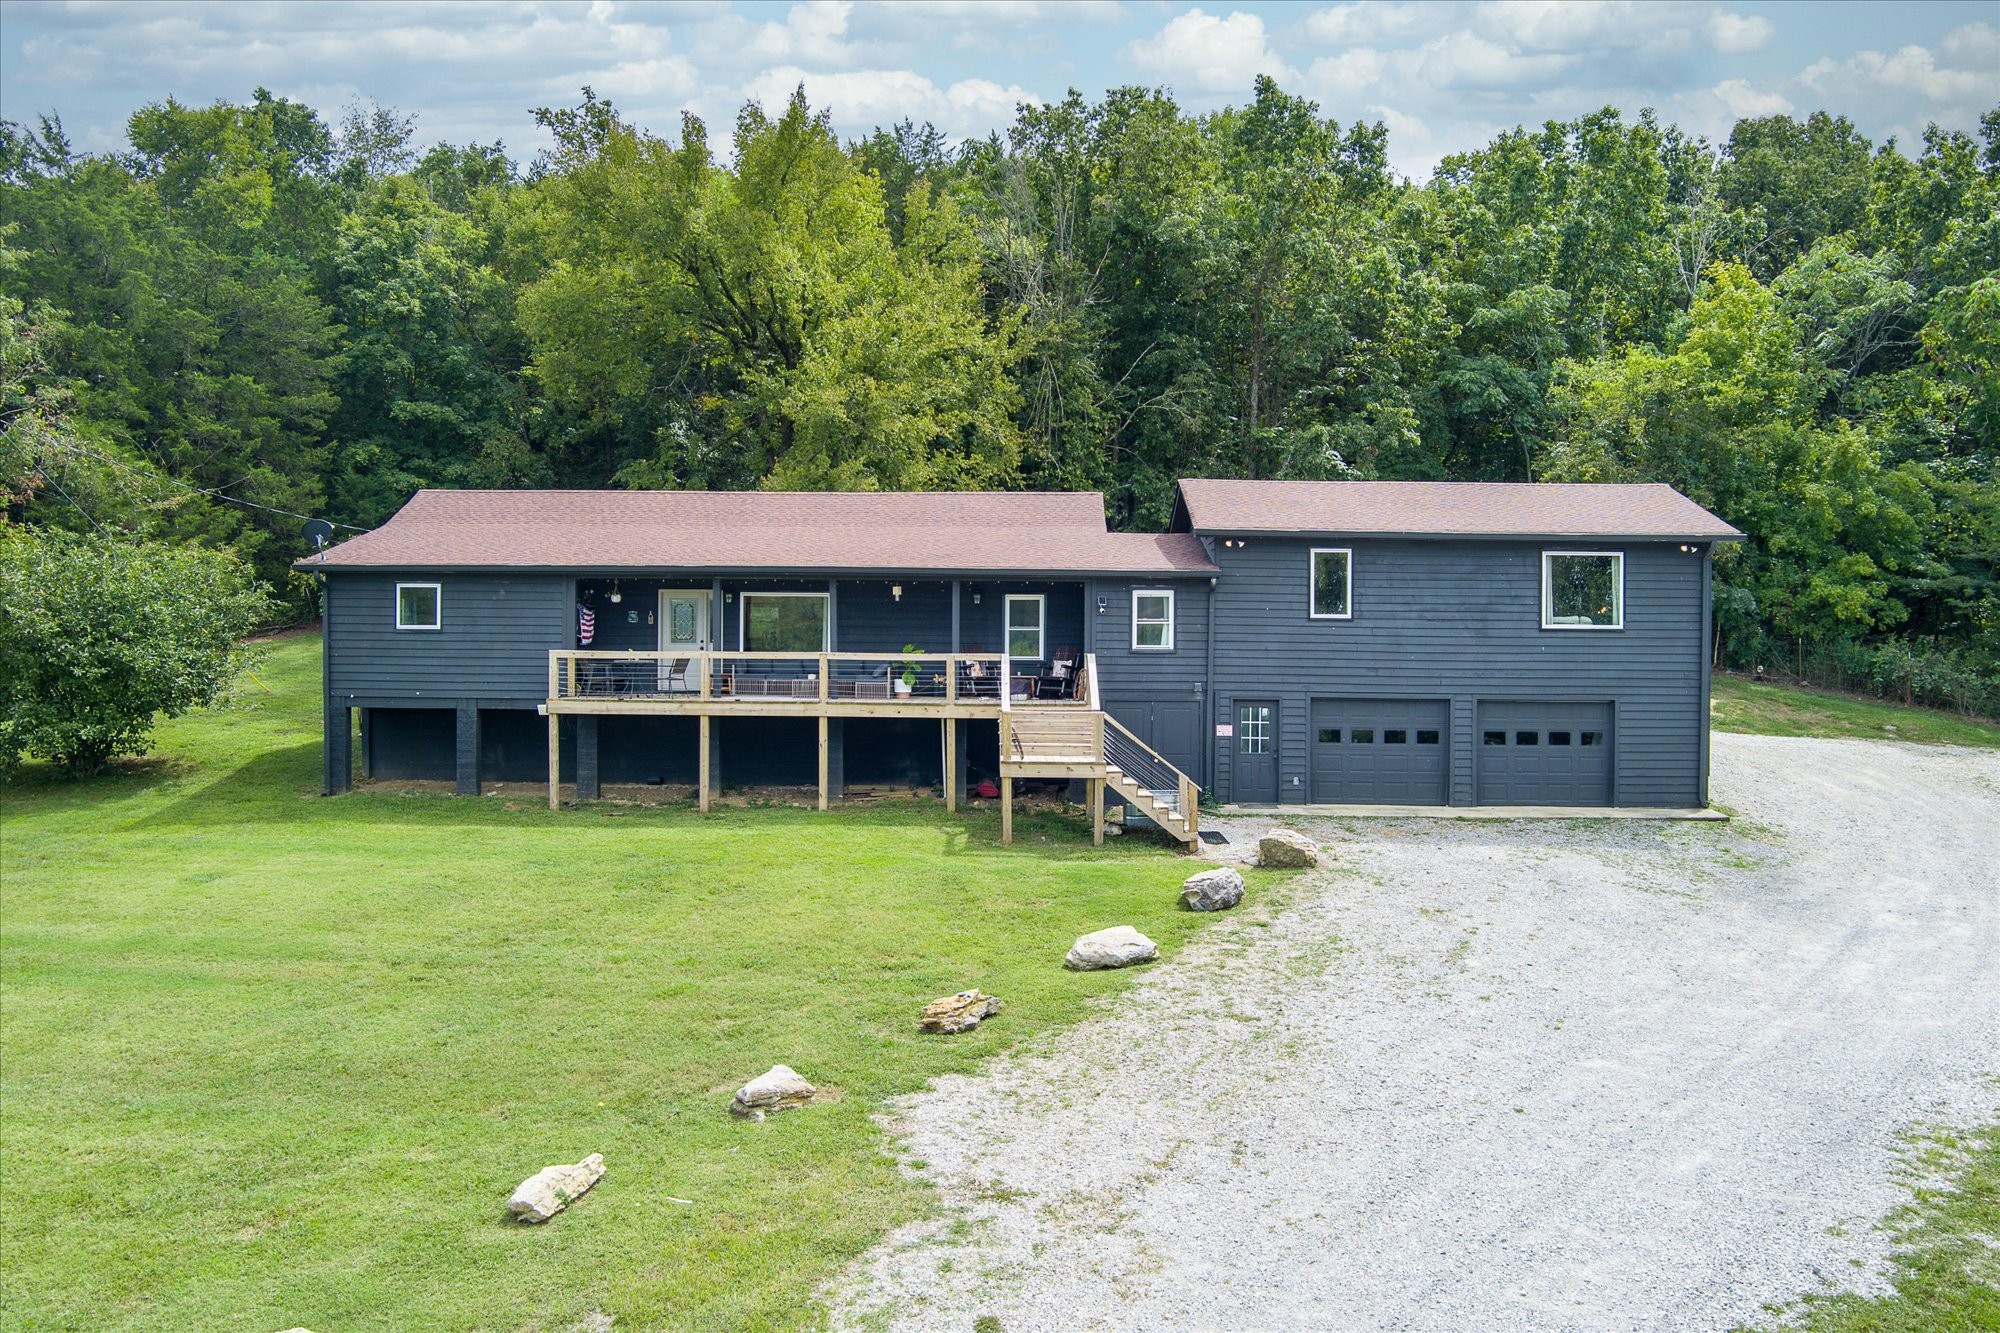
(1120, 946)
(778, 1089)
(1212, 890)
(959, 1013)
(554, 1188)
(1282, 849)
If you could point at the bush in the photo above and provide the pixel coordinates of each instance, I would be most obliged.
(99, 637)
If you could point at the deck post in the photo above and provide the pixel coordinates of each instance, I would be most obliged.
(589, 785)
(467, 769)
(1006, 809)
(555, 760)
(950, 764)
(1097, 812)
(701, 766)
(823, 749)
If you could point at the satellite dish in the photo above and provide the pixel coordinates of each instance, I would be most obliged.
(319, 532)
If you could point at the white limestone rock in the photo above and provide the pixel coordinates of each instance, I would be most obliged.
(1212, 890)
(1282, 849)
(554, 1188)
(777, 1089)
(1120, 946)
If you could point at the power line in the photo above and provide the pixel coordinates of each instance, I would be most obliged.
(212, 493)
(79, 508)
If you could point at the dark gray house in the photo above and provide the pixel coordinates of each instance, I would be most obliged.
(1286, 642)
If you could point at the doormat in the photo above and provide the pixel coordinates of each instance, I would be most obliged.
(1213, 837)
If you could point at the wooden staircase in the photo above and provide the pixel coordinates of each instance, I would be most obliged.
(1081, 740)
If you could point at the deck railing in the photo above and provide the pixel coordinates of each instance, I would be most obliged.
(892, 678)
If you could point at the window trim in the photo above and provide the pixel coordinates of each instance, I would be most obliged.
(1548, 591)
(437, 606)
(743, 620)
(1007, 626)
(1168, 645)
(1312, 583)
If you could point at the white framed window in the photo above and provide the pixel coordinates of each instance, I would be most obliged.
(1331, 578)
(1153, 619)
(1026, 614)
(782, 622)
(419, 606)
(1583, 590)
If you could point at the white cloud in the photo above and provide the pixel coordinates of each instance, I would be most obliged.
(1744, 100)
(1370, 23)
(1016, 13)
(860, 100)
(1963, 77)
(1739, 34)
(1210, 52)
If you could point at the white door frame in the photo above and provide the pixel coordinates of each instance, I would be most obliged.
(703, 643)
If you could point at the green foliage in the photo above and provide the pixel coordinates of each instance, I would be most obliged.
(101, 637)
(256, 315)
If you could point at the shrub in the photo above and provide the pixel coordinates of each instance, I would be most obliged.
(101, 636)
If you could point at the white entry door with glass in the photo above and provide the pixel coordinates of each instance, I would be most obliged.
(683, 632)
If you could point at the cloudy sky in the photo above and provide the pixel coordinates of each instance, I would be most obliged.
(1444, 76)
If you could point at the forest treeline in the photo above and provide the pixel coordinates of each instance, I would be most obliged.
(253, 315)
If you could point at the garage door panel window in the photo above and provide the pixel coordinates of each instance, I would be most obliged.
(1591, 738)
(1427, 737)
(1396, 736)
(1493, 738)
(1329, 735)
(1559, 738)
(1583, 590)
(1332, 576)
(1153, 620)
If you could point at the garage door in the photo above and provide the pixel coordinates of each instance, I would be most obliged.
(1379, 751)
(1544, 753)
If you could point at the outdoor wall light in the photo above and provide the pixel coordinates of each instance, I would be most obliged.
(975, 597)
(896, 591)
(616, 596)
(1103, 605)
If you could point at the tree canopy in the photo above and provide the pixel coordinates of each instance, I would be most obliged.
(256, 314)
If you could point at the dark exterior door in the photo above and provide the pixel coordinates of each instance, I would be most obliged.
(1173, 727)
(1256, 773)
(1380, 751)
(1533, 753)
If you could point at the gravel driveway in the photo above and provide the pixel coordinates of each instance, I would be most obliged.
(1534, 1075)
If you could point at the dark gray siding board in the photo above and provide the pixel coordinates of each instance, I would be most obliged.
(1462, 621)
(495, 641)
(1144, 688)
(873, 621)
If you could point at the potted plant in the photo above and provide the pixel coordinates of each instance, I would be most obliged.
(907, 679)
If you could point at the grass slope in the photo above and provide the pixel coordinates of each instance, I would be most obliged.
(272, 1060)
(1784, 710)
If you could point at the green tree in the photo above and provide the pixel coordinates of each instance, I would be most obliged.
(99, 637)
(760, 325)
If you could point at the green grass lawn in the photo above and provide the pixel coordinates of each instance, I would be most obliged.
(1785, 710)
(274, 1060)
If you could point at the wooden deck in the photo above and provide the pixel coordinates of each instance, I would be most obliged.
(1049, 727)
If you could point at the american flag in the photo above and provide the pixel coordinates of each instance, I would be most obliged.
(586, 625)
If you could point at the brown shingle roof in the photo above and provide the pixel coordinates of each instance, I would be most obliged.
(1450, 509)
(992, 532)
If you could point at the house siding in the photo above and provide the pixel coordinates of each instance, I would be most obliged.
(1460, 621)
(493, 644)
